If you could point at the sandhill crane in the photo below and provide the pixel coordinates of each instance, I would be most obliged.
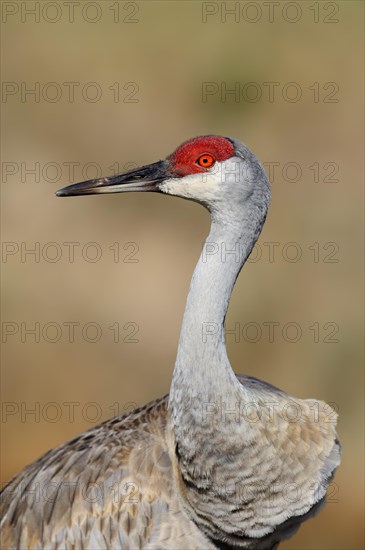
(220, 462)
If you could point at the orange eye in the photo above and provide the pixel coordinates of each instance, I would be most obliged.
(206, 161)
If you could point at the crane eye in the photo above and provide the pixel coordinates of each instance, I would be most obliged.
(205, 161)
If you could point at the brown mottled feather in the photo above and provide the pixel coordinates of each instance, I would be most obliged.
(119, 486)
(111, 487)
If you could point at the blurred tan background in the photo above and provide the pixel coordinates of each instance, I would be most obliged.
(157, 57)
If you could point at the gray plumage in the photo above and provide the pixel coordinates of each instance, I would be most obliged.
(223, 461)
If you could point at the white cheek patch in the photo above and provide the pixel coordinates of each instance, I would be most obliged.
(194, 186)
(207, 185)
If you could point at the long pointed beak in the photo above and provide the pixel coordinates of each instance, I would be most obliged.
(146, 178)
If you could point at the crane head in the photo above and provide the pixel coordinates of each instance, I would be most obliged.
(212, 170)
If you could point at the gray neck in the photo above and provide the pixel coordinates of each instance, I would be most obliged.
(202, 373)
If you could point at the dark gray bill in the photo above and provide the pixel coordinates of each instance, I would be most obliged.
(146, 178)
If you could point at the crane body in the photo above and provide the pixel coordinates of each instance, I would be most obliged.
(225, 461)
